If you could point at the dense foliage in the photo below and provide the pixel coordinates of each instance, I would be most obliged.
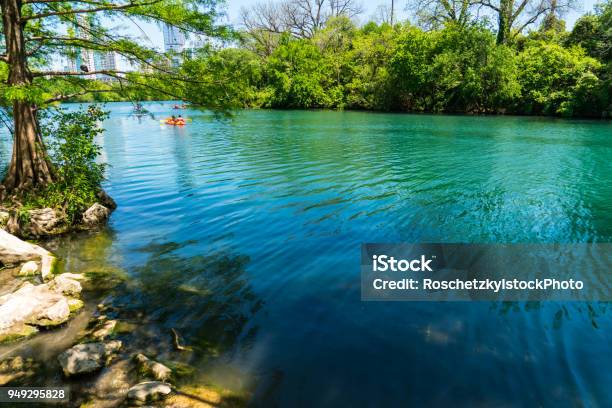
(70, 140)
(460, 68)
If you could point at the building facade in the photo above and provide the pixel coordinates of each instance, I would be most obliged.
(174, 43)
(88, 60)
(105, 61)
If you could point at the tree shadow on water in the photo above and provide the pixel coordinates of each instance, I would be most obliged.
(204, 301)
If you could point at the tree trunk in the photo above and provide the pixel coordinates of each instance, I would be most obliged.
(506, 8)
(30, 167)
(551, 21)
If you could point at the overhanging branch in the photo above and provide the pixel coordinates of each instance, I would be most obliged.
(87, 10)
(75, 73)
(146, 85)
(60, 98)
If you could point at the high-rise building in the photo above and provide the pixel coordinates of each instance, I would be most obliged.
(88, 60)
(70, 64)
(105, 61)
(84, 57)
(194, 45)
(174, 43)
(85, 60)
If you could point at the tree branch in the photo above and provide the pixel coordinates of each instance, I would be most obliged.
(520, 9)
(35, 50)
(146, 86)
(87, 10)
(75, 73)
(487, 3)
(530, 21)
(60, 98)
(60, 1)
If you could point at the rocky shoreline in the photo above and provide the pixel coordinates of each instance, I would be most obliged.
(107, 363)
(45, 222)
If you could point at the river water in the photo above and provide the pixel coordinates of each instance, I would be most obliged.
(244, 235)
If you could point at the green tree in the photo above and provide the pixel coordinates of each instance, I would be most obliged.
(593, 32)
(299, 76)
(470, 73)
(227, 78)
(556, 80)
(410, 69)
(437, 13)
(457, 69)
(70, 138)
(460, 66)
(370, 86)
(33, 30)
(514, 16)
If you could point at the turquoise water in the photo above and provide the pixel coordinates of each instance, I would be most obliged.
(245, 236)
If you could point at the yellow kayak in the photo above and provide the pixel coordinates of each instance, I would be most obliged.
(174, 122)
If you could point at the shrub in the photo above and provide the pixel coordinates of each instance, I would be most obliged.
(456, 69)
(70, 139)
(557, 80)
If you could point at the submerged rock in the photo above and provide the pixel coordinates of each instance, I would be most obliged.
(105, 330)
(195, 395)
(64, 284)
(87, 357)
(95, 215)
(109, 388)
(149, 391)
(16, 367)
(48, 304)
(152, 368)
(75, 276)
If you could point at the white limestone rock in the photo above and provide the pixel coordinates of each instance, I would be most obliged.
(148, 391)
(46, 221)
(65, 285)
(87, 357)
(95, 215)
(29, 268)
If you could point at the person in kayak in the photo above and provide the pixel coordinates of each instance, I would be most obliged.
(175, 121)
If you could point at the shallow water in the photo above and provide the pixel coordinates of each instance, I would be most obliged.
(245, 235)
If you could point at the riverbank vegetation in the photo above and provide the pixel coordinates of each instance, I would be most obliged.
(452, 61)
(73, 153)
